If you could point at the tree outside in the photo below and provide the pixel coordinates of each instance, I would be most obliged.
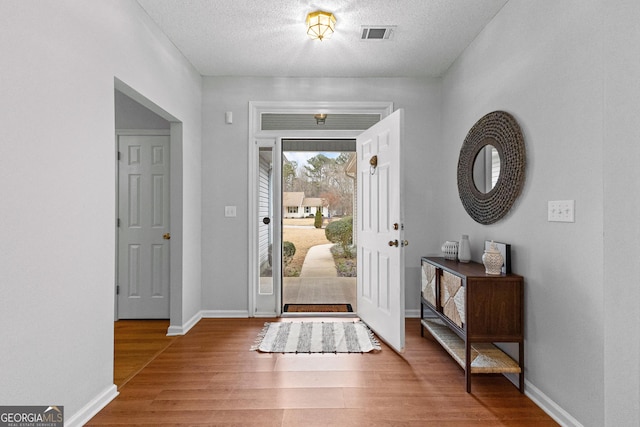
(322, 177)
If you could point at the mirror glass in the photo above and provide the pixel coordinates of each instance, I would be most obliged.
(486, 169)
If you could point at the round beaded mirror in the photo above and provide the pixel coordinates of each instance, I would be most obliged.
(501, 131)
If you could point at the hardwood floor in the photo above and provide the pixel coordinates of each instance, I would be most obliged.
(136, 343)
(210, 377)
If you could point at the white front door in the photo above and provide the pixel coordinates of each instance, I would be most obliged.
(143, 227)
(380, 283)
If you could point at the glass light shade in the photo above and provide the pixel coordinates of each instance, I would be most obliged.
(320, 25)
(320, 118)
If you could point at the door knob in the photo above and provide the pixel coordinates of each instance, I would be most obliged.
(266, 220)
(405, 243)
(393, 243)
(166, 236)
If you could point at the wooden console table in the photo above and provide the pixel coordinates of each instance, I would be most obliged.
(467, 310)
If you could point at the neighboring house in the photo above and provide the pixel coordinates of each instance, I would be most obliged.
(296, 205)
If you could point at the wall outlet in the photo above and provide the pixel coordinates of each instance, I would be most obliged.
(230, 211)
(561, 211)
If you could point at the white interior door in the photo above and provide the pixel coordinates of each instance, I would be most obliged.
(143, 227)
(380, 283)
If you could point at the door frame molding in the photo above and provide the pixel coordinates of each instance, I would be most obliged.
(256, 109)
(177, 324)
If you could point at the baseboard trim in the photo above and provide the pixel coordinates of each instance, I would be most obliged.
(94, 406)
(238, 314)
(222, 314)
(412, 313)
(181, 330)
(176, 330)
(554, 410)
(265, 314)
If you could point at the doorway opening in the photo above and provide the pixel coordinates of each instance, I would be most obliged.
(145, 130)
(271, 123)
(319, 259)
(136, 115)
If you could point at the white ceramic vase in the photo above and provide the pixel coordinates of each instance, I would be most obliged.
(492, 260)
(464, 249)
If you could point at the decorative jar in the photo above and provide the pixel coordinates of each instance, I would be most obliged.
(450, 250)
(492, 260)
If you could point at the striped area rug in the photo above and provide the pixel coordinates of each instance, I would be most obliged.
(316, 337)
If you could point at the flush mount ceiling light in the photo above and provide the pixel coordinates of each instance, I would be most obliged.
(320, 25)
(320, 118)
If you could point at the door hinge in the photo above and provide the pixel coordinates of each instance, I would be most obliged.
(117, 289)
(118, 223)
(119, 155)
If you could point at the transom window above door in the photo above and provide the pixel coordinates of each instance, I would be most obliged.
(284, 121)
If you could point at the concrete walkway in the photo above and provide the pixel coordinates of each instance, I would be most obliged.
(318, 282)
(319, 262)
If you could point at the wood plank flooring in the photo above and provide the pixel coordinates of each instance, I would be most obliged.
(210, 377)
(136, 343)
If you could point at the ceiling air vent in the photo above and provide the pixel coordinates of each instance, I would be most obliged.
(378, 32)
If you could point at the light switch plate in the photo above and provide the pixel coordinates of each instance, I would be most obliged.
(561, 211)
(230, 211)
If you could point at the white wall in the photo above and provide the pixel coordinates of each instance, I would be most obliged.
(131, 115)
(57, 169)
(544, 62)
(224, 157)
(621, 154)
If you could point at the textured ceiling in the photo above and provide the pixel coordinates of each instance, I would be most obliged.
(268, 38)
